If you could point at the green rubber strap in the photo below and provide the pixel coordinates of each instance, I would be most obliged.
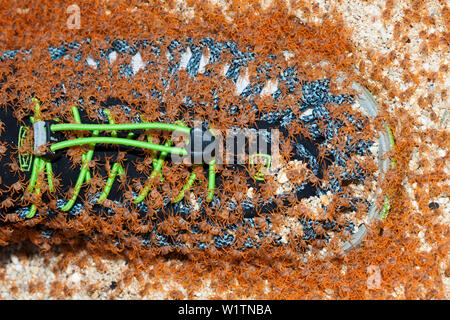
(111, 177)
(120, 141)
(76, 115)
(386, 207)
(392, 142)
(111, 121)
(116, 168)
(157, 166)
(37, 189)
(387, 202)
(34, 174)
(82, 177)
(32, 212)
(49, 169)
(77, 118)
(211, 180)
(130, 135)
(186, 187)
(76, 190)
(121, 171)
(119, 126)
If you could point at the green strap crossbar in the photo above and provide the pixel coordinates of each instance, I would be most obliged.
(118, 141)
(119, 126)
